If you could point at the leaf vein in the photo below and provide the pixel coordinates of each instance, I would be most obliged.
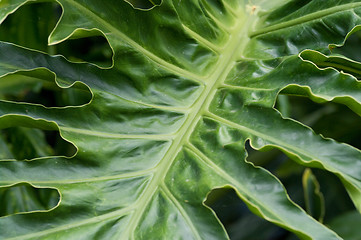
(307, 18)
(171, 197)
(158, 137)
(161, 62)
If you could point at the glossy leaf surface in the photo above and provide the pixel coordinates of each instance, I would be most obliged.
(191, 82)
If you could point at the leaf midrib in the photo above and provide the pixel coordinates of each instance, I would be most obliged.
(236, 43)
(195, 113)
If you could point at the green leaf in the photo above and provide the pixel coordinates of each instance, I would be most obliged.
(347, 225)
(191, 82)
(24, 197)
(338, 62)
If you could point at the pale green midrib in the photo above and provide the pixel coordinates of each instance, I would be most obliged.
(181, 210)
(202, 103)
(96, 219)
(161, 62)
(88, 180)
(304, 19)
(161, 137)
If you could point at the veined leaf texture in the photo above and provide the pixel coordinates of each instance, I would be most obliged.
(191, 82)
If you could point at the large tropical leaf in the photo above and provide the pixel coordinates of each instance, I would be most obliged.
(191, 82)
